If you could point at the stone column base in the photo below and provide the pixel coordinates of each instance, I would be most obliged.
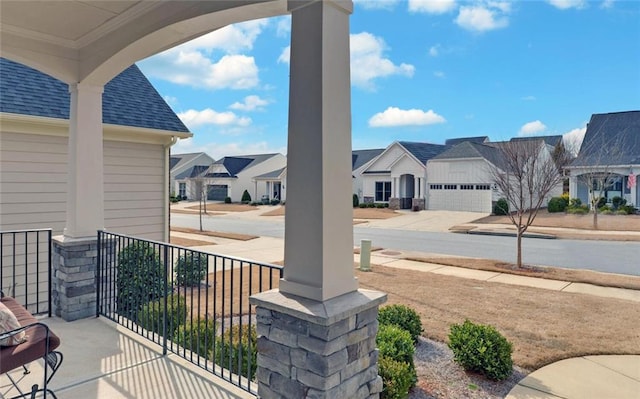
(74, 277)
(394, 203)
(417, 204)
(310, 349)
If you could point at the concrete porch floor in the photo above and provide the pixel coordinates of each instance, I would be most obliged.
(104, 360)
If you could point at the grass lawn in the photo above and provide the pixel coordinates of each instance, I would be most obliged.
(620, 223)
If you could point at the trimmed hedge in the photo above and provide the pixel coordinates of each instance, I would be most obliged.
(238, 351)
(396, 377)
(197, 336)
(246, 197)
(557, 204)
(481, 348)
(395, 343)
(401, 316)
(501, 207)
(191, 269)
(151, 316)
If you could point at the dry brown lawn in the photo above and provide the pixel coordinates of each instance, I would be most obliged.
(187, 242)
(358, 213)
(546, 219)
(232, 236)
(544, 326)
(222, 207)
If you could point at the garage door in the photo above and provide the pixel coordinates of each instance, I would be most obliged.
(217, 192)
(460, 200)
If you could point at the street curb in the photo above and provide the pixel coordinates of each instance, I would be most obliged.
(508, 234)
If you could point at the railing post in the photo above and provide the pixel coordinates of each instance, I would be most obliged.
(166, 300)
(49, 268)
(98, 273)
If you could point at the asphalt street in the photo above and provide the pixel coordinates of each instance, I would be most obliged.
(605, 256)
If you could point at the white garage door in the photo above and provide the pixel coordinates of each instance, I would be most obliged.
(470, 200)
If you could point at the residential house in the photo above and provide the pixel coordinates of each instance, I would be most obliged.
(609, 159)
(271, 186)
(360, 160)
(231, 176)
(138, 129)
(460, 178)
(183, 166)
(398, 175)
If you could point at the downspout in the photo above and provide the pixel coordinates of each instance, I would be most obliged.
(167, 190)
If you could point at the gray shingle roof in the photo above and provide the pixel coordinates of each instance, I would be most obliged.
(361, 157)
(129, 99)
(611, 139)
(423, 151)
(468, 149)
(275, 174)
(235, 165)
(549, 140)
(479, 140)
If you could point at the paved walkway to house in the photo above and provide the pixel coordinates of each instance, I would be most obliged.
(611, 377)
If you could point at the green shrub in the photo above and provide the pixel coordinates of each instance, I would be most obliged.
(481, 348)
(380, 205)
(275, 201)
(395, 343)
(575, 202)
(621, 212)
(151, 316)
(246, 197)
(618, 202)
(396, 378)
(227, 200)
(197, 336)
(191, 269)
(602, 201)
(386, 204)
(173, 200)
(371, 205)
(356, 200)
(606, 211)
(235, 348)
(140, 278)
(362, 205)
(501, 207)
(401, 316)
(557, 204)
(628, 209)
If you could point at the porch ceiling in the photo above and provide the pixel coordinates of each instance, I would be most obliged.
(93, 41)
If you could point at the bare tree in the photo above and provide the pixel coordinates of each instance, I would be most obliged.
(595, 167)
(525, 172)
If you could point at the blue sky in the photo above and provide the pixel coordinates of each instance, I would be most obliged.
(420, 71)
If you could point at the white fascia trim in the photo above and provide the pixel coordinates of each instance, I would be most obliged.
(29, 124)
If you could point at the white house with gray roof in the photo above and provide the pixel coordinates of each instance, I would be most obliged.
(232, 175)
(184, 166)
(611, 147)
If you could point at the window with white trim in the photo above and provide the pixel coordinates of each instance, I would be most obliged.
(383, 191)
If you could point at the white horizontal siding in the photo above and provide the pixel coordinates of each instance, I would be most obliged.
(33, 181)
(134, 189)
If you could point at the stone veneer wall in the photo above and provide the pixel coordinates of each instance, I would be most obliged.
(306, 356)
(418, 202)
(394, 203)
(74, 278)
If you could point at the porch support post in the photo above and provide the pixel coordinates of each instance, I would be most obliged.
(85, 201)
(316, 334)
(318, 226)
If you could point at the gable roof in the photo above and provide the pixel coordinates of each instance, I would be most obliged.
(423, 151)
(468, 149)
(177, 161)
(194, 171)
(478, 139)
(274, 174)
(611, 139)
(235, 165)
(361, 157)
(129, 99)
(553, 141)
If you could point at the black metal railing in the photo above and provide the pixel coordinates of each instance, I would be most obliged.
(25, 268)
(192, 303)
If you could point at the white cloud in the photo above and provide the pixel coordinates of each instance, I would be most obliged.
(172, 101)
(434, 51)
(285, 55)
(283, 26)
(439, 74)
(566, 4)
(376, 4)
(572, 140)
(369, 63)
(394, 116)
(528, 98)
(482, 18)
(431, 6)
(194, 118)
(219, 150)
(607, 4)
(251, 103)
(532, 128)
(193, 63)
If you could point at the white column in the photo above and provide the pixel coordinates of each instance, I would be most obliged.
(85, 190)
(416, 187)
(318, 226)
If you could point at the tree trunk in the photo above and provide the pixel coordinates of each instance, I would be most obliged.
(519, 259)
(595, 217)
